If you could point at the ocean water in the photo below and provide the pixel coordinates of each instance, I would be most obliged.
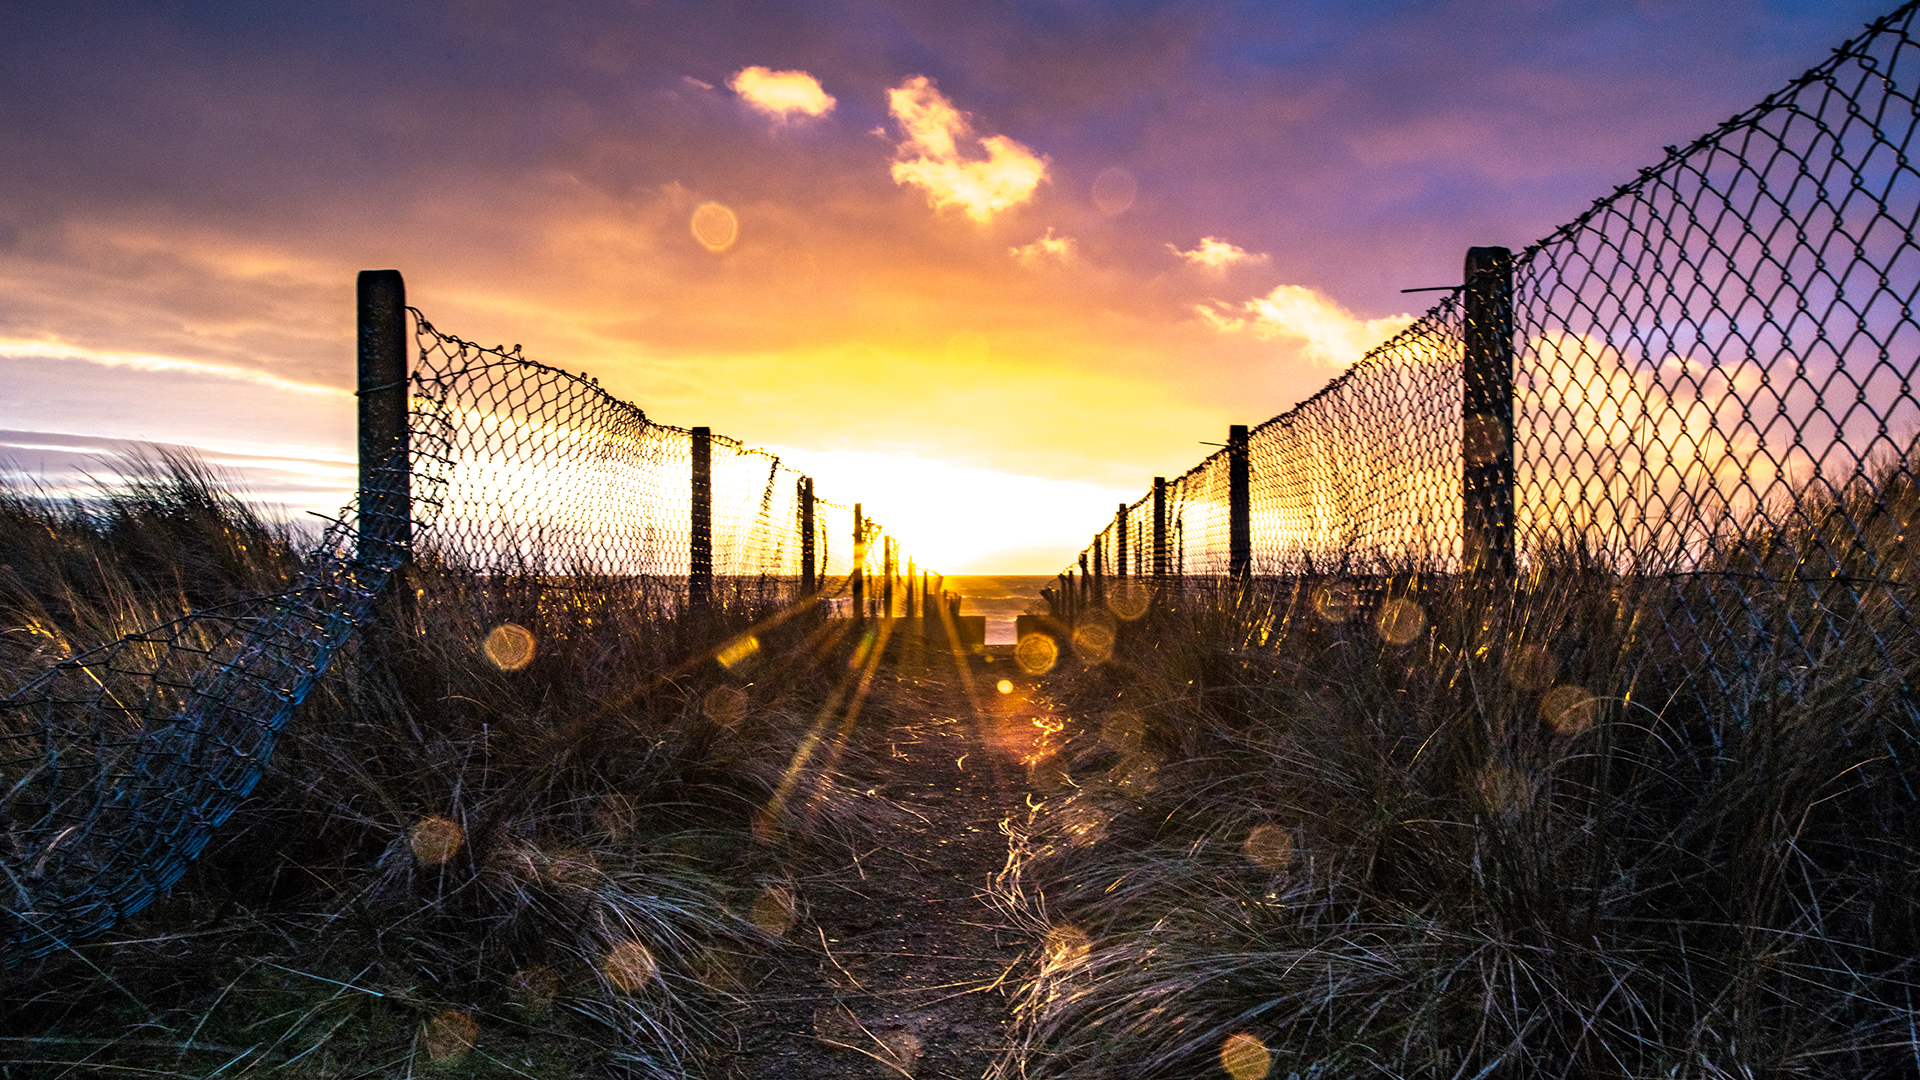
(999, 597)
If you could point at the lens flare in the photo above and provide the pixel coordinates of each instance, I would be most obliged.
(1269, 847)
(774, 910)
(1569, 709)
(1005, 686)
(1505, 791)
(1400, 621)
(1036, 654)
(509, 647)
(714, 226)
(1335, 603)
(1135, 774)
(1123, 731)
(1531, 667)
(1245, 1057)
(724, 705)
(448, 1035)
(435, 839)
(629, 966)
(1128, 599)
(1114, 191)
(739, 651)
(1065, 945)
(1093, 638)
(1486, 439)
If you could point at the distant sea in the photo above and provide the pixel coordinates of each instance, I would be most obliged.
(999, 597)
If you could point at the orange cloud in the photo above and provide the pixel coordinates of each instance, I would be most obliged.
(1326, 331)
(782, 95)
(1048, 248)
(931, 155)
(1214, 253)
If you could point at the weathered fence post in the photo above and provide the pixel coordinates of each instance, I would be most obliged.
(907, 600)
(1487, 412)
(1100, 566)
(886, 585)
(1159, 527)
(1120, 554)
(1086, 581)
(1239, 505)
(386, 489)
(859, 564)
(807, 582)
(700, 562)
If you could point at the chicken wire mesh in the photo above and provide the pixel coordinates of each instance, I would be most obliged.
(1712, 399)
(116, 765)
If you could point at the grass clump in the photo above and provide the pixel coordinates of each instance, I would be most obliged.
(1587, 824)
(521, 828)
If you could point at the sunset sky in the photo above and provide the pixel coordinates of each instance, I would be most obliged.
(987, 268)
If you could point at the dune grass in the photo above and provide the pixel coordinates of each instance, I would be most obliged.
(463, 861)
(1581, 825)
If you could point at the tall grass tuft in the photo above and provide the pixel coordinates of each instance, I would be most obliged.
(1589, 824)
(513, 832)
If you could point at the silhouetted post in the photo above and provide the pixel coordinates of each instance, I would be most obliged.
(1099, 566)
(1086, 582)
(926, 596)
(1159, 527)
(1120, 554)
(859, 564)
(907, 598)
(1487, 407)
(386, 489)
(807, 576)
(1239, 505)
(700, 563)
(886, 585)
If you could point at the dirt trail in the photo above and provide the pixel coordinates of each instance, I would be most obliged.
(897, 966)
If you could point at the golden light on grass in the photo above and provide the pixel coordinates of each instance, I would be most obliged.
(1005, 686)
(714, 226)
(629, 966)
(1048, 774)
(435, 839)
(1569, 709)
(901, 1048)
(1400, 620)
(449, 1035)
(738, 651)
(1245, 1057)
(1269, 847)
(774, 910)
(509, 647)
(724, 705)
(1136, 774)
(1036, 653)
(1128, 599)
(1065, 945)
(1335, 603)
(1093, 638)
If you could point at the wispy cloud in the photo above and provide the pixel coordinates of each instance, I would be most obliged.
(782, 95)
(1216, 254)
(1326, 331)
(25, 349)
(931, 155)
(1046, 249)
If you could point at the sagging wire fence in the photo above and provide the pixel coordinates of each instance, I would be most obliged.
(477, 465)
(1700, 390)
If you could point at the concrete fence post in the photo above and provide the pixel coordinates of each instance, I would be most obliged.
(386, 490)
(1239, 505)
(1487, 523)
(700, 560)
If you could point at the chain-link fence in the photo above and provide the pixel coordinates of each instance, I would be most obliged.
(116, 765)
(1705, 380)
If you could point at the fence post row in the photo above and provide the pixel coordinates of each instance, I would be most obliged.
(700, 565)
(1487, 520)
(1239, 505)
(1159, 527)
(859, 564)
(386, 490)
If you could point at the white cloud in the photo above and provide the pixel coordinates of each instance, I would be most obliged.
(1326, 331)
(1214, 253)
(782, 95)
(931, 157)
(1048, 248)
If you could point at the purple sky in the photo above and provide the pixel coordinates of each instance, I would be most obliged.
(187, 189)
